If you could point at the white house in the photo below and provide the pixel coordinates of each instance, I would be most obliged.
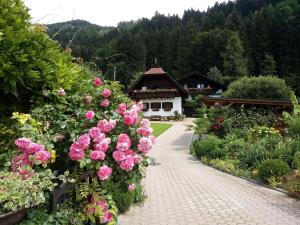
(161, 94)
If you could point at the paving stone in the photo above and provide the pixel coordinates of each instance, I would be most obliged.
(184, 191)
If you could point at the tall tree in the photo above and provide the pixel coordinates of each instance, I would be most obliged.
(214, 74)
(268, 66)
(234, 61)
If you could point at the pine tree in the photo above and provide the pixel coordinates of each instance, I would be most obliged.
(214, 74)
(234, 61)
(268, 66)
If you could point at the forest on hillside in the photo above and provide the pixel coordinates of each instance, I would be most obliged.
(233, 39)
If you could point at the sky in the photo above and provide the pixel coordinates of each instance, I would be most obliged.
(109, 12)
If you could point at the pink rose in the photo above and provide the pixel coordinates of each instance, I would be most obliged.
(128, 119)
(145, 144)
(25, 174)
(33, 147)
(23, 143)
(103, 145)
(131, 187)
(122, 108)
(145, 123)
(84, 141)
(122, 146)
(109, 217)
(97, 82)
(75, 153)
(99, 138)
(140, 105)
(106, 93)
(137, 159)
(124, 138)
(104, 172)
(42, 155)
(128, 163)
(94, 132)
(19, 161)
(153, 139)
(106, 126)
(118, 155)
(104, 103)
(144, 131)
(97, 155)
(89, 115)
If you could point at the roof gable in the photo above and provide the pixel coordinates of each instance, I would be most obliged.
(156, 75)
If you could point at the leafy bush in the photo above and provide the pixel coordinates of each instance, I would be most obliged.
(273, 168)
(232, 146)
(262, 87)
(30, 61)
(297, 160)
(209, 147)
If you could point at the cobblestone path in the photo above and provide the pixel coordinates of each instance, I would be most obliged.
(181, 190)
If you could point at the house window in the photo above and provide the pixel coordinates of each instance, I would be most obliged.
(146, 106)
(155, 106)
(167, 106)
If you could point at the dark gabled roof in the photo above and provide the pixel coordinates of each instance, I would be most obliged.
(158, 71)
(195, 73)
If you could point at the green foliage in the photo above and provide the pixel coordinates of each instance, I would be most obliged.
(209, 147)
(297, 160)
(19, 193)
(233, 145)
(273, 168)
(65, 215)
(234, 61)
(214, 74)
(202, 125)
(268, 66)
(258, 88)
(30, 61)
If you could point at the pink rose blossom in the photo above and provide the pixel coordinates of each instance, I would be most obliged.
(122, 108)
(124, 138)
(42, 155)
(94, 132)
(131, 187)
(84, 141)
(104, 172)
(33, 147)
(140, 105)
(103, 145)
(128, 163)
(97, 155)
(23, 143)
(104, 103)
(97, 82)
(109, 217)
(118, 155)
(25, 174)
(19, 161)
(76, 153)
(137, 159)
(145, 144)
(128, 119)
(144, 131)
(99, 138)
(106, 126)
(122, 146)
(106, 93)
(145, 123)
(89, 115)
(153, 139)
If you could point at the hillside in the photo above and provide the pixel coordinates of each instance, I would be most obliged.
(244, 37)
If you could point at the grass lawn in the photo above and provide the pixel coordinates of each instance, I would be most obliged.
(159, 128)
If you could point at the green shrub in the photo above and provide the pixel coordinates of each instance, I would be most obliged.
(272, 168)
(202, 125)
(297, 160)
(262, 87)
(232, 146)
(209, 147)
(123, 200)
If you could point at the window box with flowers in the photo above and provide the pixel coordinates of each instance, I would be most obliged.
(167, 106)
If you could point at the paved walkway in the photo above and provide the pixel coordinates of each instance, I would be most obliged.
(184, 191)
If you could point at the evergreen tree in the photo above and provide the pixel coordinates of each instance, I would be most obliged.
(214, 74)
(234, 61)
(268, 66)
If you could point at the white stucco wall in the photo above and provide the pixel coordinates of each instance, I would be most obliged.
(177, 106)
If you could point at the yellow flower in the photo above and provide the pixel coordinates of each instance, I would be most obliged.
(52, 155)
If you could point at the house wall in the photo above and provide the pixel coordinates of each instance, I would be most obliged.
(177, 106)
